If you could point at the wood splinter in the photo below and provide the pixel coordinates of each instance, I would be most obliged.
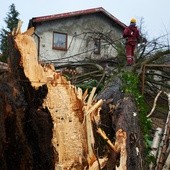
(120, 139)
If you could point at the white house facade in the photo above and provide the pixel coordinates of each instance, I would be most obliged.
(77, 36)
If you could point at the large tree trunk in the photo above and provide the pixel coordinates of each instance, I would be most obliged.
(47, 123)
(120, 121)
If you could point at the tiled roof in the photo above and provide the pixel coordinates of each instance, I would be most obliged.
(73, 14)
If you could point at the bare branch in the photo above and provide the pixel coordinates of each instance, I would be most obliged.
(154, 104)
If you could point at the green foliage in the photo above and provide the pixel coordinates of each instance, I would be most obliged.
(131, 86)
(11, 22)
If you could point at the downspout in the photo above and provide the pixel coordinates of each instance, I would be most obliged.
(38, 38)
(32, 24)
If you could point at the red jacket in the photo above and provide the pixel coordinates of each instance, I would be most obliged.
(131, 33)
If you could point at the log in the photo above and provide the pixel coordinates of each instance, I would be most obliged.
(120, 123)
(155, 145)
(129, 122)
(162, 155)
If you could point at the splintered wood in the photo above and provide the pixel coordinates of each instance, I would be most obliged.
(72, 133)
(73, 113)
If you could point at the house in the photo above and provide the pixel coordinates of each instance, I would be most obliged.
(77, 36)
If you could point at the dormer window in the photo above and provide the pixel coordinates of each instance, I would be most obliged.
(59, 41)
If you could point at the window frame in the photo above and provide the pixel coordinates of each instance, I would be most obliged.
(97, 49)
(60, 47)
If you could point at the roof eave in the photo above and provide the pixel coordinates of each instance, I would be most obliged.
(35, 20)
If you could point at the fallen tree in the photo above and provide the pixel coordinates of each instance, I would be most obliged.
(47, 123)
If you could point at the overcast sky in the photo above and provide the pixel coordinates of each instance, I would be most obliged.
(155, 13)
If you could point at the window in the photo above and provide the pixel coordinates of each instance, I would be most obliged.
(59, 41)
(96, 46)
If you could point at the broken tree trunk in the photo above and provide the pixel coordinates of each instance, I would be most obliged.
(47, 123)
(72, 138)
(51, 123)
(120, 122)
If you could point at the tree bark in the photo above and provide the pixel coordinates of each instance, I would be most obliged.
(120, 122)
(52, 122)
(47, 123)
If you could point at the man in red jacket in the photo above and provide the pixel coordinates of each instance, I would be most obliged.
(131, 34)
